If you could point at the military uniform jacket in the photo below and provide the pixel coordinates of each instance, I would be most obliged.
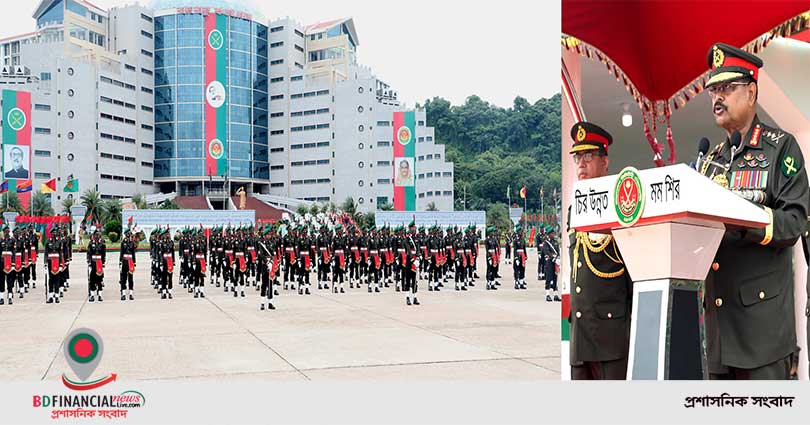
(7, 246)
(601, 299)
(749, 299)
(96, 248)
(51, 247)
(550, 253)
(492, 249)
(127, 248)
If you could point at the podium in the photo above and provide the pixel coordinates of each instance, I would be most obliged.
(668, 223)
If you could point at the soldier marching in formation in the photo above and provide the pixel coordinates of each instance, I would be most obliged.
(96, 259)
(265, 256)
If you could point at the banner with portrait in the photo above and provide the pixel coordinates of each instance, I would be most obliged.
(404, 124)
(17, 141)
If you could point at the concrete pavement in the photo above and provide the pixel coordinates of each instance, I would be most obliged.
(478, 334)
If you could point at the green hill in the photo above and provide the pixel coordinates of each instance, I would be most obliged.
(494, 147)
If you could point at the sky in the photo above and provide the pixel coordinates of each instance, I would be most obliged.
(422, 48)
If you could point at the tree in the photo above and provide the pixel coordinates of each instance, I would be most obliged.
(66, 204)
(169, 204)
(140, 201)
(11, 203)
(431, 206)
(314, 210)
(302, 209)
(41, 204)
(111, 210)
(113, 229)
(348, 206)
(92, 200)
(332, 207)
(498, 216)
(386, 207)
(368, 219)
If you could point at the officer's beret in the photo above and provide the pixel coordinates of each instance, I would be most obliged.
(728, 63)
(588, 136)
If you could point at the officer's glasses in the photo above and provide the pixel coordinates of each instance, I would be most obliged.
(724, 88)
(587, 157)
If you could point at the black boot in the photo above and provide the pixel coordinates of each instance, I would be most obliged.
(415, 301)
(271, 306)
(408, 301)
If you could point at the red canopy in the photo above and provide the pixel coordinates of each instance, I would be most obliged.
(661, 45)
(657, 48)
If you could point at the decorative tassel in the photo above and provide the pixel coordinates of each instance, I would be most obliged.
(670, 141)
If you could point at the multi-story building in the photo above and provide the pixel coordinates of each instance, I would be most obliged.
(122, 101)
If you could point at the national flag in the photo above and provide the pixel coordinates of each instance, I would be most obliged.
(129, 221)
(523, 193)
(24, 186)
(71, 186)
(89, 218)
(4, 187)
(49, 186)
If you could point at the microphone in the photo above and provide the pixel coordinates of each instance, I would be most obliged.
(736, 141)
(703, 148)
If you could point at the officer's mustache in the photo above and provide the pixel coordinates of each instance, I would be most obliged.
(721, 105)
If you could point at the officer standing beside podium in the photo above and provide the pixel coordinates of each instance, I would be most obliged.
(750, 321)
(601, 289)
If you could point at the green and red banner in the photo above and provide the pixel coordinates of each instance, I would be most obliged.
(216, 106)
(17, 142)
(404, 161)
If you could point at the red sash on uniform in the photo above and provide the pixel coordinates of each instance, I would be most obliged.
(33, 256)
(365, 254)
(291, 251)
(169, 263)
(229, 256)
(25, 258)
(341, 259)
(305, 256)
(403, 257)
(274, 268)
(356, 254)
(325, 255)
(452, 253)
(99, 269)
(240, 258)
(463, 259)
(54, 260)
(7, 261)
(413, 262)
(496, 257)
(424, 252)
(201, 259)
(522, 254)
(130, 264)
(376, 258)
(252, 252)
(17, 261)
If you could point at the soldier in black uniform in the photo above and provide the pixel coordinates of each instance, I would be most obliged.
(375, 261)
(602, 293)
(340, 254)
(200, 262)
(96, 260)
(290, 261)
(304, 251)
(549, 255)
(7, 278)
(166, 259)
(184, 248)
(519, 264)
(268, 264)
(493, 256)
(409, 269)
(322, 245)
(126, 262)
(53, 266)
(750, 284)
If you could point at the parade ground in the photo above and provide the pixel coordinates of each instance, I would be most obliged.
(505, 334)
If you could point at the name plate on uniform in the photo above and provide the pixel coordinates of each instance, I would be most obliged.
(675, 193)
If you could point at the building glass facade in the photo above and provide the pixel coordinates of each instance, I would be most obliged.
(180, 97)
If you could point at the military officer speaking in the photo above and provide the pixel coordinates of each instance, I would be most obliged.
(750, 321)
(601, 290)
